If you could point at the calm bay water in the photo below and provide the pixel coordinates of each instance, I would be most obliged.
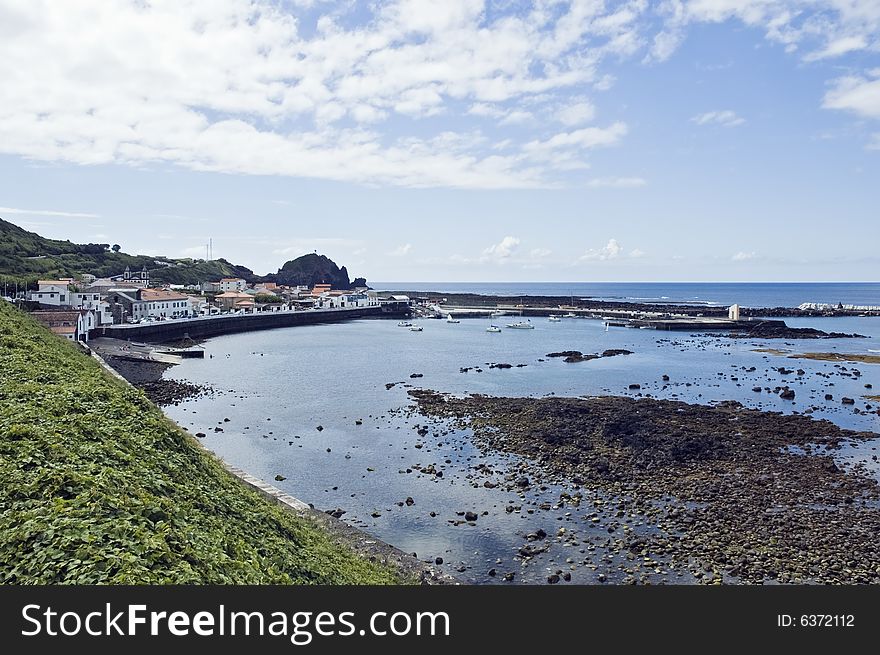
(747, 294)
(277, 387)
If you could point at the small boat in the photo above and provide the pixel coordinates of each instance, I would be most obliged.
(405, 324)
(493, 328)
(569, 315)
(521, 325)
(415, 328)
(554, 319)
(449, 319)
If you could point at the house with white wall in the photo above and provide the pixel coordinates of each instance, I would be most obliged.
(232, 284)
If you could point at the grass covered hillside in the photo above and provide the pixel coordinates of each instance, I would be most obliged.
(97, 486)
(27, 256)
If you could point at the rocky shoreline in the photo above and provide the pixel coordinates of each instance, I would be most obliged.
(773, 331)
(730, 494)
(147, 376)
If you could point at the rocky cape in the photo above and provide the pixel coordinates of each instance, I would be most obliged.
(313, 269)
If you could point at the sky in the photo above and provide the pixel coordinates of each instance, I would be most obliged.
(413, 140)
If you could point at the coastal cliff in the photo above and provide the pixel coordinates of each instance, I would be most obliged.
(99, 487)
(313, 269)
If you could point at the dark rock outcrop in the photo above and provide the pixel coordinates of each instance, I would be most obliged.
(313, 269)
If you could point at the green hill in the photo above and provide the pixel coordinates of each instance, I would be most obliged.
(98, 486)
(27, 256)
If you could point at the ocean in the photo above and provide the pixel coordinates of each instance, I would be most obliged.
(746, 294)
(277, 387)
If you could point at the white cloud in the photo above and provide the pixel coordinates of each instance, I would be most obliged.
(724, 118)
(258, 87)
(587, 137)
(616, 182)
(576, 113)
(637, 253)
(839, 47)
(540, 253)
(46, 212)
(251, 87)
(401, 250)
(743, 256)
(874, 143)
(501, 251)
(818, 28)
(610, 250)
(856, 94)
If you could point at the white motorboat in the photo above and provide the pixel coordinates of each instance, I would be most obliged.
(521, 325)
(449, 319)
(569, 315)
(415, 328)
(554, 319)
(493, 328)
(405, 324)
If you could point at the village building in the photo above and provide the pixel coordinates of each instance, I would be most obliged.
(68, 324)
(232, 284)
(52, 292)
(130, 305)
(235, 300)
(139, 279)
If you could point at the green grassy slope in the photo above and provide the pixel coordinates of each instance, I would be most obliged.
(97, 486)
(27, 256)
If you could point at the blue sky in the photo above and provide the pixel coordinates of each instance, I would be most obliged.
(454, 141)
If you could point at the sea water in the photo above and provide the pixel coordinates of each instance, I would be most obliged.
(747, 294)
(277, 387)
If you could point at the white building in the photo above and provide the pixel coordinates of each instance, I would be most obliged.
(52, 292)
(69, 324)
(137, 304)
(63, 293)
(338, 300)
(232, 284)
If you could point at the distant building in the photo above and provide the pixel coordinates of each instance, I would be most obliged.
(232, 284)
(137, 279)
(137, 304)
(64, 294)
(52, 292)
(320, 289)
(70, 325)
(235, 300)
(344, 299)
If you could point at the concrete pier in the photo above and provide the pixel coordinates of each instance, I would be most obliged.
(211, 326)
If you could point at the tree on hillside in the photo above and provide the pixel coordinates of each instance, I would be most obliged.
(116, 247)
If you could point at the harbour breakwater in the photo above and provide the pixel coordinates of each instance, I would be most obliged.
(212, 326)
(544, 305)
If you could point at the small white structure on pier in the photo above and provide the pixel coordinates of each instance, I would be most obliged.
(733, 313)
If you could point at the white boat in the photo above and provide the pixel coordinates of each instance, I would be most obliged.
(449, 319)
(554, 319)
(569, 315)
(521, 325)
(405, 324)
(493, 328)
(415, 328)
